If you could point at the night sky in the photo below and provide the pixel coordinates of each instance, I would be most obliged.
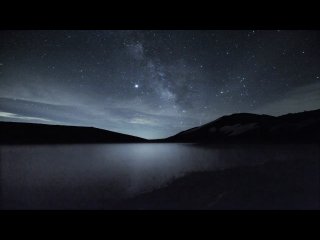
(154, 84)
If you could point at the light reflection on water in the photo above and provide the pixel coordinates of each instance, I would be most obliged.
(90, 175)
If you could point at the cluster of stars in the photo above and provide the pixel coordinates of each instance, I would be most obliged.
(183, 78)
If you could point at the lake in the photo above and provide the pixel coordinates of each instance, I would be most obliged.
(94, 176)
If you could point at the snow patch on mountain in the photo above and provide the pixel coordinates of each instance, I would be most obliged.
(238, 128)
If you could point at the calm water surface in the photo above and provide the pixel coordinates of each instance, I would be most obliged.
(92, 176)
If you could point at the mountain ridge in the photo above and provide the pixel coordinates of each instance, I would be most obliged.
(250, 127)
(233, 128)
(17, 132)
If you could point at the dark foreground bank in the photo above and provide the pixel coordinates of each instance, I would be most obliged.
(273, 185)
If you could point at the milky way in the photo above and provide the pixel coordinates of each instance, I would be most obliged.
(154, 84)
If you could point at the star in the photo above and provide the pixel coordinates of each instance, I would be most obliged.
(169, 76)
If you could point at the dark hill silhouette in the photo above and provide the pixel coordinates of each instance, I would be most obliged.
(247, 127)
(19, 133)
(235, 128)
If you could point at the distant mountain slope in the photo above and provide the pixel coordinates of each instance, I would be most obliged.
(237, 128)
(247, 127)
(13, 132)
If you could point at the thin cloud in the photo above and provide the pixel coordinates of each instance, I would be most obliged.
(299, 99)
(22, 117)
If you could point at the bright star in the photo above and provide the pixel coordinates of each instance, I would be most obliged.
(136, 86)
